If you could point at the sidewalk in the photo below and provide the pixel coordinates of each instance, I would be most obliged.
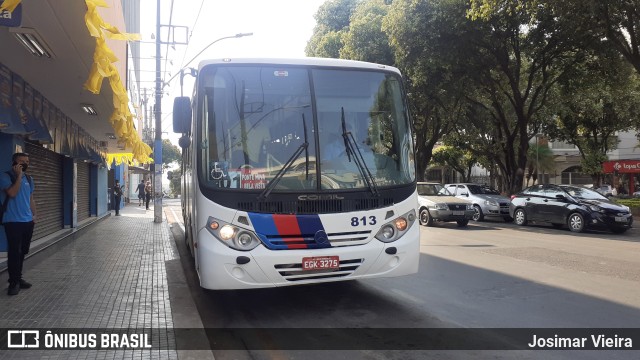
(118, 273)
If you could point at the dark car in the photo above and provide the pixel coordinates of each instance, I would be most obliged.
(577, 207)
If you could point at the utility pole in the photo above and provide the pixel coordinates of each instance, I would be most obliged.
(157, 148)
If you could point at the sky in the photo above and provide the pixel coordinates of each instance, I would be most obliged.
(281, 28)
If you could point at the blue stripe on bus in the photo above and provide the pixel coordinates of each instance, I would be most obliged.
(309, 224)
(266, 229)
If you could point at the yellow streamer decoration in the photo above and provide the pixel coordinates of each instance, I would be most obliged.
(103, 58)
(9, 5)
(120, 158)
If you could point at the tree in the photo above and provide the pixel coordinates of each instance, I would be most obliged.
(175, 181)
(170, 154)
(540, 160)
(365, 39)
(426, 38)
(523, 52)
(332, 21)
(459, 160)
(599, 99)
(609, 24)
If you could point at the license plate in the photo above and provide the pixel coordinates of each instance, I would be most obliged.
(320, 262)
(458, 213)
(621, 219)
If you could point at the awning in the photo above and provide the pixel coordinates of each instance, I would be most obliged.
(9, 119)
(82, 152)
(35, 124)
(138, 170)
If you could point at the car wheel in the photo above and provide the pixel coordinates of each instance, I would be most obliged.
(617, 230)
(462, 223)
(477, 213)
(520, 217)
(425, 218)
(576, 222)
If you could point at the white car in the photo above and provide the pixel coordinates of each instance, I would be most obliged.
(437, 204)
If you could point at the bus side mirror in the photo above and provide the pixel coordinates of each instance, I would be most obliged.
(182, 115)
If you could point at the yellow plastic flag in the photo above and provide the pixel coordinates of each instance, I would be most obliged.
(9, 5)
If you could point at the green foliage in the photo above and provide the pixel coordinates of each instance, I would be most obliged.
(427, 38)
(540, 160)
(170, 153)
(175, 181)
(486, 75)
(365, 39)
(633, 203)
(457, 159)
(599, 98)
(332, 22)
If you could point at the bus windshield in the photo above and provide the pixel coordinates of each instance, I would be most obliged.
(314, 128)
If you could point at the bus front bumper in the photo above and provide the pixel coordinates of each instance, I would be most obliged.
(273, 268)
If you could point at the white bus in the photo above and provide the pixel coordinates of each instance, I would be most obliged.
(297, 171)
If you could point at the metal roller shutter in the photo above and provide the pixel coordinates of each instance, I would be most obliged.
(83, 191)
(46, 169)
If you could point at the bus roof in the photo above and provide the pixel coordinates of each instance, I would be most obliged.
(307, 61)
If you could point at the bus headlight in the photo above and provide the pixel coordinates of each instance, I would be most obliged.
(397, 227)
(227, 232)
(232, 236)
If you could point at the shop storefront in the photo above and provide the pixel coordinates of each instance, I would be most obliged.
(626, 174)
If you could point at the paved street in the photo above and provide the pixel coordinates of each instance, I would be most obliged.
(127, 272)
(488, 275)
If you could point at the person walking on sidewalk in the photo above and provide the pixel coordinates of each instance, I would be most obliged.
(141, 192)
(18, 219)
(148, 190)
(117, 193)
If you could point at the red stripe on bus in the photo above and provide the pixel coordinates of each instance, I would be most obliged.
(288, 225)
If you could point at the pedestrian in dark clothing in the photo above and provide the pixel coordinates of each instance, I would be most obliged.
(18, 219)
(141, 194)
(117, 193)
(148, 190)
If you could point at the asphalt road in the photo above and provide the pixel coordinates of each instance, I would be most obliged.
(487, 276)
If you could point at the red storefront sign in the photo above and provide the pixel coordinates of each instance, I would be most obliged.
(621, 166)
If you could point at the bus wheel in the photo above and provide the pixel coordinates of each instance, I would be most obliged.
(425, 218)
(188, 238)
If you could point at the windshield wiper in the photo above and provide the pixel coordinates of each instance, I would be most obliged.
(276, 179)
(352, 148)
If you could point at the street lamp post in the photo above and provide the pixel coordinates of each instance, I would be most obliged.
(537, 158)
(537, 179)
(239, 35)
(157, 146)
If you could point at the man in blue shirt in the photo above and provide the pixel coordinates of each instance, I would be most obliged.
(18, 219)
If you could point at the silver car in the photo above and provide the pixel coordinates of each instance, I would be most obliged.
(486, 201)
(437, 204)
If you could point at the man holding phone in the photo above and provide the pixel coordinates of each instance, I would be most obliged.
(18, 218)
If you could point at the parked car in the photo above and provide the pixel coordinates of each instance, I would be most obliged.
(437, 204)
(604, 189)
(577, 207)
(486, 201)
